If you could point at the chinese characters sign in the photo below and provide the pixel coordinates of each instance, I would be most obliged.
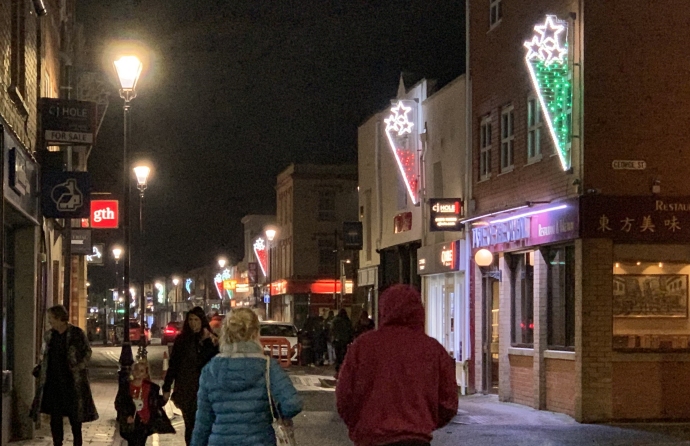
(651, 219)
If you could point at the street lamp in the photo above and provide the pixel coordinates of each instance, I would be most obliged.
(128, 69)
(142, 173)
(117, 252)
(221, 262)
(270, 235)
(176, 282)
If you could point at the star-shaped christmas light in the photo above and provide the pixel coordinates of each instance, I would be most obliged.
(261, 254)
(547, 62)
(402, 137)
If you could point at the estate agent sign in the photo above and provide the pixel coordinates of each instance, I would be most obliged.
(67, 121)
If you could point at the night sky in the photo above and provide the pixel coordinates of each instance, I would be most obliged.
(236, 90)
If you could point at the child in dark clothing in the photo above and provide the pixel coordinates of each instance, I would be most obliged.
(139, 408)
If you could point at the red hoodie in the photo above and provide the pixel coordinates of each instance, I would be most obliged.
(396, 383)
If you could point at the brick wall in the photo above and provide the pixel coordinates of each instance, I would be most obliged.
(560, 386)
(593, 328)
(649, 389)
(521, 379)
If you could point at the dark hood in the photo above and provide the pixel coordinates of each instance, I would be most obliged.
(401, 305)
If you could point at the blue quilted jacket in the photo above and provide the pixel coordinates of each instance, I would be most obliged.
(232, 403)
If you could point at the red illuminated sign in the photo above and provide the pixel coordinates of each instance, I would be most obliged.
(104, 214)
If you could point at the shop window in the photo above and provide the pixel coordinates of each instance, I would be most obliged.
(650, 306)
(522, 299)
(561, 297)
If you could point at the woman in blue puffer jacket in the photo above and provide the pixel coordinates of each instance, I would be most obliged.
(232, 403)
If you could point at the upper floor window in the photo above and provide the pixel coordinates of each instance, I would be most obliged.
(326, 205)
(18, 48)
(495, 12)
(507, 138)
(327, 257)
(534, 125)
(485, 148)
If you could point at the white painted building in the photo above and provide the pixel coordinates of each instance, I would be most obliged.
(394, 204)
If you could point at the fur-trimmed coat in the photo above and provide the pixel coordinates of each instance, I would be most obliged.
(78, 356)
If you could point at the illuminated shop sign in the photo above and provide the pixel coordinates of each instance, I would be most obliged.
(403, 136)
(445, 214)
(546, 224)
(439, 258)
(448, 256)
(548, 64)
(104, 214)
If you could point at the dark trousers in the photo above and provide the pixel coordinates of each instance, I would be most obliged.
(340, 351)
(58, 433)
(189, 416)
(138, 436)
(409, 443)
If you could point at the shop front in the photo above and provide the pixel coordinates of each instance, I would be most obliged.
(524, 313)
(442, 269)
(636, 307)
(295, 300)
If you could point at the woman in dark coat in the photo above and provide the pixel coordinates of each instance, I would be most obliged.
(63, 388)
(193, 348)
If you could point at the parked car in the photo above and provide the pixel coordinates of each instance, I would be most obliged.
(276, 329)
(170, 332)
(117, 335)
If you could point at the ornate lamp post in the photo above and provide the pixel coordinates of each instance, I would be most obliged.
(117, 252)
(176, 282)
(128, 70)
(270, 235)
(142, 173)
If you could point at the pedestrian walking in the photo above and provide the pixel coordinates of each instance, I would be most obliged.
(342, 336)
(139, 407)
(328, 326)
(364, 324)
(233, 398)
(63, 388)
(193, 348)
(397, 384)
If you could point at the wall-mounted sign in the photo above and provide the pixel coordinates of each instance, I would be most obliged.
(104, 214)
(66, 194)
(242, 288)
(547, 60)
(252, 273)
(81, 241)
(96, 257)
(528, 227)
(352, 235)
(403, 137)
(66, 121)
(628, 165)
(439, 258)
(18, 174)
(633, 219)
(402, 222)
(444, 214)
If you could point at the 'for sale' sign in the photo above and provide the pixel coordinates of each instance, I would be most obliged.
(104, 214)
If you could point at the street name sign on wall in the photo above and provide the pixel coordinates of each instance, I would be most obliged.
(628, 164)
(66, 121)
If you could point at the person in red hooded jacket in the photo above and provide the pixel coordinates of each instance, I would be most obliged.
(397, 385)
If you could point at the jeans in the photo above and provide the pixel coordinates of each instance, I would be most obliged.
(331, 353)
(58, 433)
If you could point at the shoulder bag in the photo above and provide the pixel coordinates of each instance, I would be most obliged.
(285, 434)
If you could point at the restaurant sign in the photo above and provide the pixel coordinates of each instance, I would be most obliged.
(636, 218)
(531, 226)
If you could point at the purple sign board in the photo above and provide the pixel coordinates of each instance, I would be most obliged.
(532, 226)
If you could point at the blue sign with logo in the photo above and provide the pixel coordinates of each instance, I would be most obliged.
(267, 299)
(66, 194)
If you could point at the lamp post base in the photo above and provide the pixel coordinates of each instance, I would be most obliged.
(126, 360)
(142, 353)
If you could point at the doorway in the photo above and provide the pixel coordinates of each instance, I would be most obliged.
(490, 290)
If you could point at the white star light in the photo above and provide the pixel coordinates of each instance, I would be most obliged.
(398, 121)
(259, 244)
(546, 46)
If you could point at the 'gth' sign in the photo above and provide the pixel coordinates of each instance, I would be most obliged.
(104, 213)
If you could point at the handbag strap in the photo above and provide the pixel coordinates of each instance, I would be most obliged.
(268, 390)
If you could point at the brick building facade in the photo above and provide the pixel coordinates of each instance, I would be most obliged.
(579, 194)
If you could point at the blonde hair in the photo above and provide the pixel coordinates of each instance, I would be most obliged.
(143, 363)
(242, 325)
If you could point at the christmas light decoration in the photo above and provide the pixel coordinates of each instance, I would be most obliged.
(402, 136)
(261, 254)
(188, 285)
(547, 62)
(218, 282)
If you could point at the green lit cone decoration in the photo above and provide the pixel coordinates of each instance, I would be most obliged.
(548, 64)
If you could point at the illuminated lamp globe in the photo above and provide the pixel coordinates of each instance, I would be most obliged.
(483, 257)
